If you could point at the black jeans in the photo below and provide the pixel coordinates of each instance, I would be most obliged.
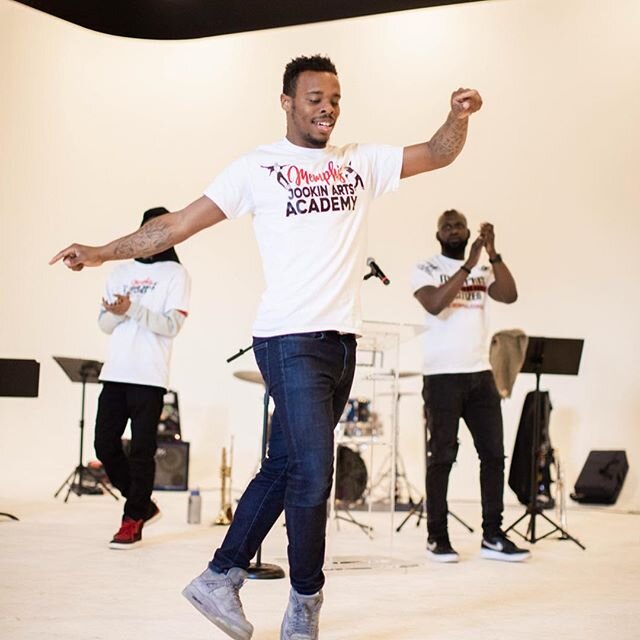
(133, 475)
(474, 398)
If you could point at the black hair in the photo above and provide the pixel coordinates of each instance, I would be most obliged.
(304, 63)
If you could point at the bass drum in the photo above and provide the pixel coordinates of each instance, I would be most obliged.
(351, 476)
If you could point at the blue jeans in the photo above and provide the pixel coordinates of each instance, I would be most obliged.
(309, 377)
(474, 398)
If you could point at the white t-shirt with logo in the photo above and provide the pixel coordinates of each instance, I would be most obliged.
(137, 355)
(308, 208)
(457, 340)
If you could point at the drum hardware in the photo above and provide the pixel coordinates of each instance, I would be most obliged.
(249, 376)
(225, 517)
(259, 570)
(419, 509)
(396, 467)
(358, 421)
(391, 375)
(370, 429)
(400, 393)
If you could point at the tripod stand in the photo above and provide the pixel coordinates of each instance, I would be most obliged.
(419, 510)
(83, 371)
(555, 356)
(18, 379)
(395, 471)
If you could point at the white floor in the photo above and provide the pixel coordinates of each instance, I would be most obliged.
(58, 579)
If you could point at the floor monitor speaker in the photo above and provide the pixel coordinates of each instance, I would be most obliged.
(172, 465)
(601, 478)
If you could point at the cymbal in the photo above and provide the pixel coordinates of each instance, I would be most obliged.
(409, 374)
(249, 376)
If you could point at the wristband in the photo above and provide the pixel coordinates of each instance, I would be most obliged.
(498, 258)
(466, 269)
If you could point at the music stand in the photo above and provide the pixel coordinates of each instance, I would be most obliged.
(556, 356)
(84, 371)
(18, 379)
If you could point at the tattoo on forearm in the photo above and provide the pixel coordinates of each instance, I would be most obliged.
(151, 238)
(449, 139)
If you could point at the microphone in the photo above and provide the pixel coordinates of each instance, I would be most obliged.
(376, 271)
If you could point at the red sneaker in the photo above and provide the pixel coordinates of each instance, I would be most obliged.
(129, 535)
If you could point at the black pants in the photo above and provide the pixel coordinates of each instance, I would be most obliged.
(474, 398)
(133, 475)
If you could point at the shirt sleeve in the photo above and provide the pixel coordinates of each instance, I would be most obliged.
(179, 291)
(423, 276)
(164, 324)
(231, 189)
(385, 165)
(108, 321)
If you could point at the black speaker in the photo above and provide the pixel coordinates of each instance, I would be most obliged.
(601, 478)
(172, 465)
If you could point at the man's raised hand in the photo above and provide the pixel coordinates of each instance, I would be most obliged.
(464, 102)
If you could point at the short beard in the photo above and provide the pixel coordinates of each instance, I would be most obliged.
(308, 137)
(454, 251)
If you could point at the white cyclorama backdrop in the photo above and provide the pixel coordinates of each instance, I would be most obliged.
(96, 129)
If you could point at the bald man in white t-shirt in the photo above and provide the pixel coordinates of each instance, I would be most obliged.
(457, 380)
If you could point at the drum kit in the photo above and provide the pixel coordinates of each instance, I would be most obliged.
(359, 425)
(358, 420)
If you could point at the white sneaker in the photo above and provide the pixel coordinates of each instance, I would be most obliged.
(440, 550)
(499, 547)
(302, 617)
(216, 596)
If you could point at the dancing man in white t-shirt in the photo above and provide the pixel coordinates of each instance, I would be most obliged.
(309, 202)
(458, 382)
(144, 306)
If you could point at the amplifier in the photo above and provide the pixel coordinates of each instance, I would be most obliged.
(172, 465)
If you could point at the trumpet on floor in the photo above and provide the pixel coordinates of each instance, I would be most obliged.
(226, 512)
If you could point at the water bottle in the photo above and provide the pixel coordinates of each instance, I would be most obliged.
(195, 507)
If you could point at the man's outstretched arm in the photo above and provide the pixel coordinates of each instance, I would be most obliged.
(447, 141)
(153, 237)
